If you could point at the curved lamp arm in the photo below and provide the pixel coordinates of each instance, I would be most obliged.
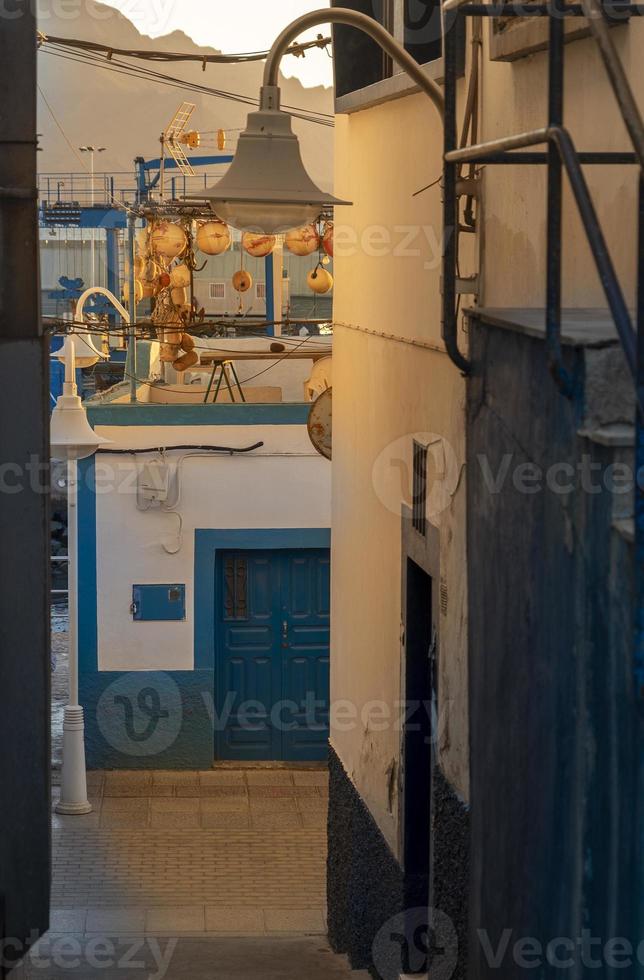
(352, 18)
(80, 303)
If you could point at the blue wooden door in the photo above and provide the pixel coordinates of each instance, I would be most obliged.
(272, 677)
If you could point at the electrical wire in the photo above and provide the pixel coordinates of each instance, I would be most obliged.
(146, 74)
(117, 204)
(227, 450)
(297, 49)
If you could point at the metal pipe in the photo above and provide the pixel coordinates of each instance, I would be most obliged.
(598, 246)
(449, 326)
(554, 210)
(131, 228)
(594, 234)
(638, 652)
(533, 10)
(537, 158)
(615, 69)
(352, 18)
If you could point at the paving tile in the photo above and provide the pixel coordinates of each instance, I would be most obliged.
(123, 804)
(84, 821)
(312, 803)
(176, 920)
(208, 789)
(280, 804)
(124, 820)
(269, 777)
(295, 921)
(174, 819)
(314, 818)
(212, 804)
(236, 921)
(226, 819)
(127, 784)
(174, 805)
(313, 778)
(95, 779)
(67, 920)
(119, 921)
(276, 821)
(270, 792)
(222, 777)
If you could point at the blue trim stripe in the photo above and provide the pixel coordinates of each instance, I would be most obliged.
(207, 543)
(223, 414)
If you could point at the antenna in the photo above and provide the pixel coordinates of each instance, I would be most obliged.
(173, 136)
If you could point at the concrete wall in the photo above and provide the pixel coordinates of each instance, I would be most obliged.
(388, 249)
(284, 484)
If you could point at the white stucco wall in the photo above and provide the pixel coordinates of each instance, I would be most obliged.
(269, 489)
(388, 280)
(385, 392)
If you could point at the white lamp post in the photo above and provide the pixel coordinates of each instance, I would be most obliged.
(266, 187)
(72, 438)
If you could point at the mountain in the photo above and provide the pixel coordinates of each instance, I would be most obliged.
(126, 114)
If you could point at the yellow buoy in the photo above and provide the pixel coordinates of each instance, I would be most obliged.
(258, 245)
(180, 276)
(138, 291)
(302, 241)
(213, 237)
(319, 280)
(242, 281)
(169, 239)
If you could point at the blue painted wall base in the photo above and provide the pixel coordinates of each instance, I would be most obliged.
(148, 719)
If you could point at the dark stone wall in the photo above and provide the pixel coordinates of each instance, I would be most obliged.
(365, 882)
(549, 635)
(368, 892)
(451, 862)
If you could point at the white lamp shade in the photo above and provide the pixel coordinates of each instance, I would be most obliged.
(85, 353)
(71, 435)
(266, 188)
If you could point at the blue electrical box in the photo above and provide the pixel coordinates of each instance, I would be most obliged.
(158, 603)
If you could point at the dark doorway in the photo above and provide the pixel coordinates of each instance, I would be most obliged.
(417, 737)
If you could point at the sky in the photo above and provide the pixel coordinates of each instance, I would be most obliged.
(234, 26)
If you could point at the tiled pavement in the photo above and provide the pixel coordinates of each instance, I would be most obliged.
(217, 853)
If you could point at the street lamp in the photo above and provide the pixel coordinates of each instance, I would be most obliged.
(72, 438)
(266, 187)
(92, 150)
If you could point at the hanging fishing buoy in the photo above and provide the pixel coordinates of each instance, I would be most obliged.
(168, 239)
(302, 241)
(242, 281)
(319, 280)
(180, 276)
(258, 246)
(213, 237)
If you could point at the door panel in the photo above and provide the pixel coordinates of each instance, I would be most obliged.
(273, 618)
(248, 679)
(305, 661)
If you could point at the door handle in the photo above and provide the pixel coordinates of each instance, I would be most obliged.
(285, 633)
